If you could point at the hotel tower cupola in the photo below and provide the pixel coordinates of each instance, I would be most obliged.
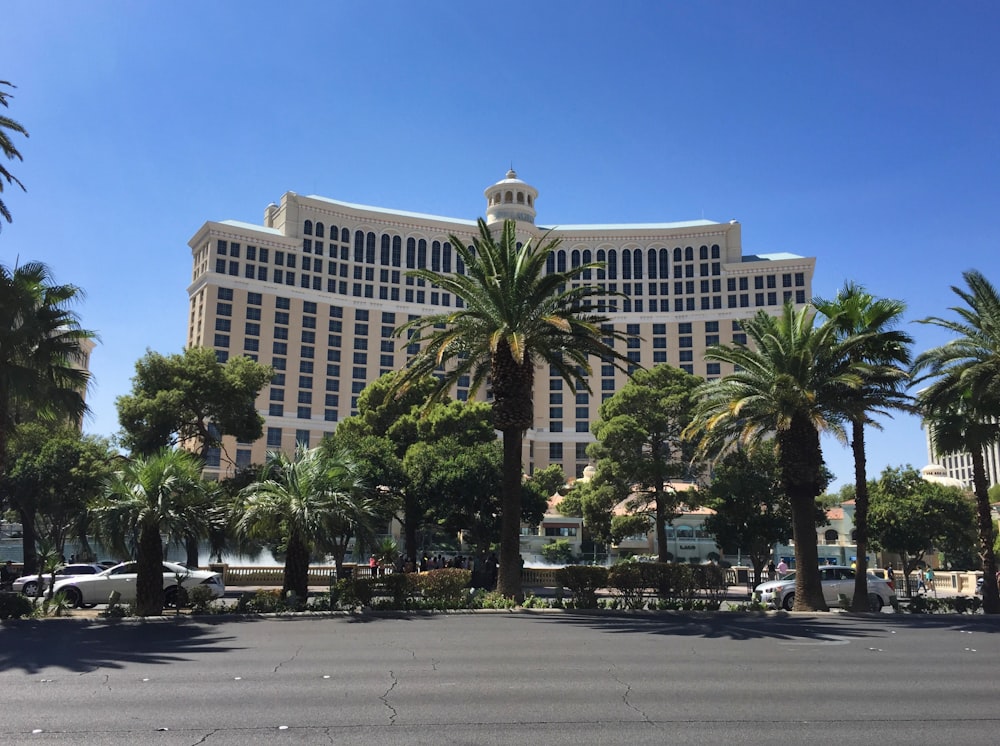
(510, 199)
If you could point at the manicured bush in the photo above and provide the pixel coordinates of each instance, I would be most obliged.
(401, 587)
(14, 606)
(631, 583)
(200, 597)
(582, 582)
(446, 588)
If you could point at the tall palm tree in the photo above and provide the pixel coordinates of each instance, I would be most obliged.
(788, 385)
(962, 403)
(306, 500)
(41, 356)
(884, 360)
(514, 316)
(147, 497)
(7, 147)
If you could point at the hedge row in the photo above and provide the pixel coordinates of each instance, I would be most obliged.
(634, 584)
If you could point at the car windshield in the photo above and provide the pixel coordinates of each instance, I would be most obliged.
(788, 576)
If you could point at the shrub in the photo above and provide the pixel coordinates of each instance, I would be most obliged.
(630, 581)
(200, 597)
(582, 582)
(351, 593)
(261, 602)
(400, 587)
(492, 600)
(14, 606)
(558, 552)
(447, 587)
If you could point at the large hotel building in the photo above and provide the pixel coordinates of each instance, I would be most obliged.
(317, 290)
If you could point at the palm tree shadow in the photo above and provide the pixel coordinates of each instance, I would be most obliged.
(773, 626)
(34, 646)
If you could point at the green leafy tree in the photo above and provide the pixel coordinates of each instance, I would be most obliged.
(55, 473)
(751, 512)
(191, 399)
(42, 351)
(7, 127)
(789, 385)
(148, 496)
(912, 517)
(513, 316)
(314, 501)
(639, 445)
(883, 361)
(961, 404)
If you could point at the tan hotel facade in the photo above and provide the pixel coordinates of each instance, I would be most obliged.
(317, 290)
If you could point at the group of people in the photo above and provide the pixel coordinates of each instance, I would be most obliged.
(776, 572)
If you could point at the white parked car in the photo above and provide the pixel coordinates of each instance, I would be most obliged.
(28, 584)
(95, 589)
(836, 581)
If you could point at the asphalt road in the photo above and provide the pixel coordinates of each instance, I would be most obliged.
(501, 678)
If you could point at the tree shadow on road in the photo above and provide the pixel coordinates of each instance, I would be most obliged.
(771, 626)
(35, 645)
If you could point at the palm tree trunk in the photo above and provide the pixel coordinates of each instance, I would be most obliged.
(801, 459)
(191, 550)
(296, 576)
(661, 525)
(29, 540)
(509, 579)
(991, 593)
(149, 579)
(860, 602)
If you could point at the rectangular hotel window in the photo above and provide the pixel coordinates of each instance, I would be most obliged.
(274, 437)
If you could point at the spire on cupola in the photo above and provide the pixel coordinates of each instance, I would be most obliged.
(510, 199)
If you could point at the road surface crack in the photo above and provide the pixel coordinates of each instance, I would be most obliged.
(205, 737)
(294, 656)
(385, 698)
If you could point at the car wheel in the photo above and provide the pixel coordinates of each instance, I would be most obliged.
(874, 602)
(73, 597)
(30, 588)
(789, 602)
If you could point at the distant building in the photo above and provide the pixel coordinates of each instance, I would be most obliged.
(959, 465)
(318, 288)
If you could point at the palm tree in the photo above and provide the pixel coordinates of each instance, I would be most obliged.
(962, 403)
(307, 500)
(149, 496)
(789, 385)
(884, 360)
(514, 316)
(42, 375)
(7, 147)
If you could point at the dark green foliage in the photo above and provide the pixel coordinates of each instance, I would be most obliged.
(558, 552)
(447, 586)
(400, 587)
(583, 582)
(14, 606)
(635, 583)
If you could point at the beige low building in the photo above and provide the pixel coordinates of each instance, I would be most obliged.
(317, 289)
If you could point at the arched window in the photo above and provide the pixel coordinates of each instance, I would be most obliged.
(715, 251)
(421, 254)
(689, 254)
(446, 263)
(560, 261)
(508, 197)
(334, 233)
(664, 266)
(397, 251)
(319, 230)
(831, 536)
(411, 253)
(529, 200)
(703, 252)
(587, 259)
(384, 253)
(678, 255)
(370, 249)
(520, 198)
(359, 246)
(307, 228)
(637, 263)
(627, 264)
(345, 235)
(651, 256)
(436, 256)
(574, 258)
(602, 258)
(612, 265)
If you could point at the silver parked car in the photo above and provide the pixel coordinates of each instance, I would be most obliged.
(29, 584)
(95, 589)
(836, 581)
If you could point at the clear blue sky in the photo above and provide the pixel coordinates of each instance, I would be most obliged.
(864, 134)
